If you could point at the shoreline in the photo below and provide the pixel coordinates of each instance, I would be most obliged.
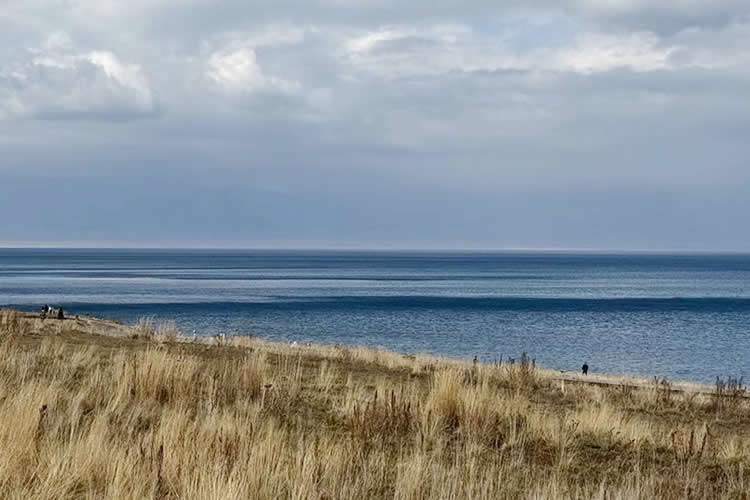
(167, 329)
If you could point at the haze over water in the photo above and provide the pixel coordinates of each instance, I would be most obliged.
(678, 316)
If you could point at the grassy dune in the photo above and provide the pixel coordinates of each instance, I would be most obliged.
(92, 409)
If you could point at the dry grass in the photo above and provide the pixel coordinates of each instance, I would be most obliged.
(147, 415)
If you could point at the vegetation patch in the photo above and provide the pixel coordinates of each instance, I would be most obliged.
(144, 412)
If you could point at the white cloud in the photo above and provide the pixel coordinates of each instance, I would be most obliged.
(59, 82)
(237, 70)
(124, 76)
(234, 67)
(442, 33)
(601, 52)
(397, 52)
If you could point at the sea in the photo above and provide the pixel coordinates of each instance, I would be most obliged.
(674, 316)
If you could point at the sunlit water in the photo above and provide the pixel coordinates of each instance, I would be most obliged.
(679, 316)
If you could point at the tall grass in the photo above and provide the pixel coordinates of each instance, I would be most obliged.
(84, 418)
(13, 323)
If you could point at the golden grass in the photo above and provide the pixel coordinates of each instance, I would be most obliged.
(146, 414)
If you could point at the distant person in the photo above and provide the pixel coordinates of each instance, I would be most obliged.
(60, 314)
(585, 369)
(43, 312)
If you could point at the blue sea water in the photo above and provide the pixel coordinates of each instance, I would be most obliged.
(676, 316)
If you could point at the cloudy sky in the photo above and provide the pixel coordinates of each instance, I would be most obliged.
(611, 124)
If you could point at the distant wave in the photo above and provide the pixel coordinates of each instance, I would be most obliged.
(700, 305)
(182, 276)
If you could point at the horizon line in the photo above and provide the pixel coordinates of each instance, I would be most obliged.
(362, 248)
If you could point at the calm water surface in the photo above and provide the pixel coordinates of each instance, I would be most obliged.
(679, 316)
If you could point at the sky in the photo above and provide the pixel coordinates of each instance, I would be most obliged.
(566, 124)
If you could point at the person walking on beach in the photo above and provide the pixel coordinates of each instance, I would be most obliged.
(585, 369)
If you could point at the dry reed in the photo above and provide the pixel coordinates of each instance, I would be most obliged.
(145, 415)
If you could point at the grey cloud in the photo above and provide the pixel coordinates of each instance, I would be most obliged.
(380, 121)
(167, 18)
(667, 17)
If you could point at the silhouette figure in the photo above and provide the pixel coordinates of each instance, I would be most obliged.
(585, 369)
(60, 314)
